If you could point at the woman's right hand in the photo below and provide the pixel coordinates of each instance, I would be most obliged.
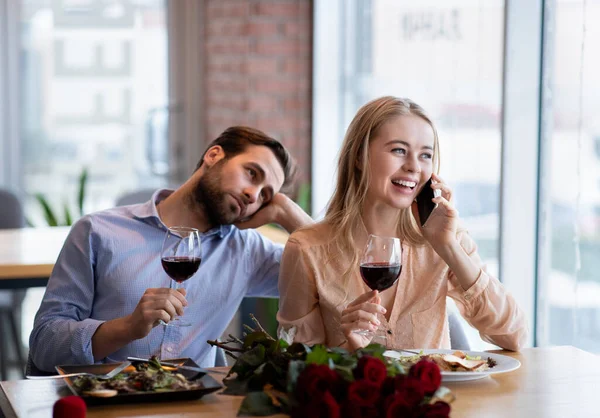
(361, 314)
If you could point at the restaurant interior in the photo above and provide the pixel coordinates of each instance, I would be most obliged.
(103, 102)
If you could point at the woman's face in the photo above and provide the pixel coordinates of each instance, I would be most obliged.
(400, 161)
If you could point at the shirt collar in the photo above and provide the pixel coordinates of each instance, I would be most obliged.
(148, 211)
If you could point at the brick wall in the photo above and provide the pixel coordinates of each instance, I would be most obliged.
(258, 71)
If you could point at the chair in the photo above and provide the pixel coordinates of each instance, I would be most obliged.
(138, 196)
(11, 212)
(220, 358)
(11, 216)
(458, 337)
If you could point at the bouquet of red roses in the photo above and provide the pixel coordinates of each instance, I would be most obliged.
(276, 376)
(320, 391)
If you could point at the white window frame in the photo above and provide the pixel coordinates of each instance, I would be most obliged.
(186, 136)
(327, 129)
(10, 169)
(519, 180)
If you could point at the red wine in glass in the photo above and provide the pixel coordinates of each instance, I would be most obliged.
(380, 267)
(380, 276)
(180, 268)
(180, 257)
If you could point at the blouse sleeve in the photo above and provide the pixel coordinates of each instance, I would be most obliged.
(487, 306)
(299, 298)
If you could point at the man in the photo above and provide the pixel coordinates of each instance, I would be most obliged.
(108, 292)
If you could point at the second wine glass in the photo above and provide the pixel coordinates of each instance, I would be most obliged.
(380, 267)
(180, 257)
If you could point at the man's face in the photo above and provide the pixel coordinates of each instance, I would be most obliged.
(236, 188)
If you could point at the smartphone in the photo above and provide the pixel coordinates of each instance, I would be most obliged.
(424, 204)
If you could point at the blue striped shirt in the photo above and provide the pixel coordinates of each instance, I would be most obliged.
(111, 257)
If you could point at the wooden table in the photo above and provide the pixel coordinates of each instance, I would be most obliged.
(27, 255)
(552, 382)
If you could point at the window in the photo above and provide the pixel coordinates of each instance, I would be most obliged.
(569, 292)
(93, 90)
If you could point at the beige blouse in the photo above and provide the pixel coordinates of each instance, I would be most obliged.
(313, 293)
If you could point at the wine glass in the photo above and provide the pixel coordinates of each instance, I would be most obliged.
(380, 267)
(180, 257)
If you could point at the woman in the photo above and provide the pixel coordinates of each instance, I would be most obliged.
(390, 151)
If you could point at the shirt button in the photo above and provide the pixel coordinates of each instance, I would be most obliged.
(468, 296)
(170, 349)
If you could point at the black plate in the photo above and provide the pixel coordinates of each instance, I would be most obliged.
(208, 385)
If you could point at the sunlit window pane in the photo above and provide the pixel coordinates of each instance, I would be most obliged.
(570, 293)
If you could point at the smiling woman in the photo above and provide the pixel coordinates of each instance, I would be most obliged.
(389, 155)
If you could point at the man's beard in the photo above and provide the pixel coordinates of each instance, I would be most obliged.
(212, 199)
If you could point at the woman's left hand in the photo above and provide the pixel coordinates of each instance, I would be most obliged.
(440, 228)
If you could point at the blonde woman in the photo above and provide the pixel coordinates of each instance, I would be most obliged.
(390, 151)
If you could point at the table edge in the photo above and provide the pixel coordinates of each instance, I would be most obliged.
(6, 408)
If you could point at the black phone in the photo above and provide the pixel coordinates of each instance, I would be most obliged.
(424, 204)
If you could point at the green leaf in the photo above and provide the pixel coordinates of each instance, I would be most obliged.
(248, 361)
(254, 338)
(282, 345)
(345, 372)
(68, 218)
(394, 368)
(319, 355)
(375, 350)
(235, 386)
(81, 194)
(257, 404)
(254, 357)
(48, 213)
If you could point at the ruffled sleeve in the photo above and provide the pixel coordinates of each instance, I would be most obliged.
(299, 298)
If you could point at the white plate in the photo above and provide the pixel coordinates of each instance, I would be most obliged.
(504, 363)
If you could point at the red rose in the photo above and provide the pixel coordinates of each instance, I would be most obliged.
(363, 393)
(315, 381)
(371, 369)
(437, 410)
(324, 406)
(395, 406)
(388, 387)
(352, 411)
(428, 373)
(410, 389)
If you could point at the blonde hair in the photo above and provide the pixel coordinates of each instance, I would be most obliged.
(344, 210)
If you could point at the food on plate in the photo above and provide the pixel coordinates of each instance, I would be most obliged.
(455, 362)
(147, 377)
(101, 393)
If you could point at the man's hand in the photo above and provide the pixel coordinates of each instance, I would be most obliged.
(281, 210)
(155, 305)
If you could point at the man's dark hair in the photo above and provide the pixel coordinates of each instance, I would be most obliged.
(236, 139)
